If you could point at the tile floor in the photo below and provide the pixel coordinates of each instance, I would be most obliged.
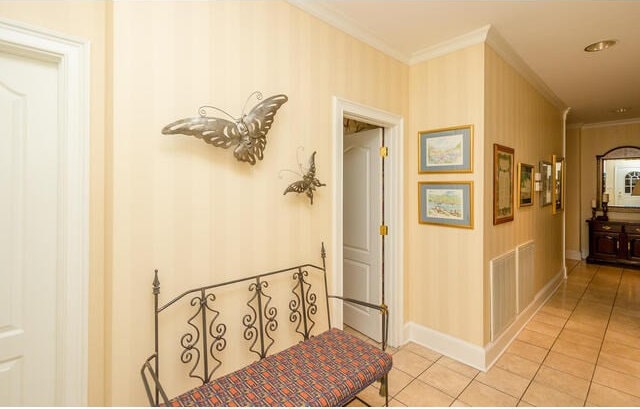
(582, 348)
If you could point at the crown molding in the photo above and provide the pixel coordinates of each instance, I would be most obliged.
(502, 47)
(486, 34)
(448, 46)
(631, 121)
(350, 27)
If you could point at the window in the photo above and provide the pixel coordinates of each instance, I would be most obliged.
(630, 181)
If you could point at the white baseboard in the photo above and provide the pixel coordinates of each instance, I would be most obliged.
(573, 255)
(478, 357)
(495, 349)
(463, 351)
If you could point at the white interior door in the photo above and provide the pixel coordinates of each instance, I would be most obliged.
(362, 215)
(29, 233)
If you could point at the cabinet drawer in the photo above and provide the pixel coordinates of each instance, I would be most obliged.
(606, 246)
(607, 227)
(632, 228)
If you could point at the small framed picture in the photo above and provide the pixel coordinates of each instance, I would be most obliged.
(446, 203)
(557, 184)
(446, 150)
(502, 184)
(525, 185)
(546, 176)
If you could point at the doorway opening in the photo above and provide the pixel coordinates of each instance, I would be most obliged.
(367, 235)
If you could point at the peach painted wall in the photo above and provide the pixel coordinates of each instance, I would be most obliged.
(443, 284)
(518, 116)
(574, 219)
(191, 210)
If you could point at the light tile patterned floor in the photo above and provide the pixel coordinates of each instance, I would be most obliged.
(582, 348)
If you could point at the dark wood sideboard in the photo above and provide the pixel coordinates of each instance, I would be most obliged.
(614, 242)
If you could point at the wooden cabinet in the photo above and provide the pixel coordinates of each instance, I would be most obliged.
(614, 242)
(633, 242)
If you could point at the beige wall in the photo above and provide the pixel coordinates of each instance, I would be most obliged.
(191, 210)
(83, 20)
(574, 218)
(443, 284)
(517, 116)
(597, 140)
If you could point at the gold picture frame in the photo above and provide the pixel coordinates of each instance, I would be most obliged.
(503, 197)
(525, 185)
(446, 150)
(446, 204)
(546, 176)
(557, 184)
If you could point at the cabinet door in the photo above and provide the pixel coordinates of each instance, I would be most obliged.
(633, 247)
(606, 245)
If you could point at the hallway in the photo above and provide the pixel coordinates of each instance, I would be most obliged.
(582, 348)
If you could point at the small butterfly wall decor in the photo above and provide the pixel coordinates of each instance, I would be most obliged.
(309, 181)
(246, 134)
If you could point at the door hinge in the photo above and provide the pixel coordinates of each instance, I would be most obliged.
(384, 151)
(384, 230)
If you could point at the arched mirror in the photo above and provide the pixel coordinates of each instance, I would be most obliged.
(618, 178)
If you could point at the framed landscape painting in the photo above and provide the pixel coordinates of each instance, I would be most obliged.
(502, 184)
(446, 203)
(446, 150)
(525, 185)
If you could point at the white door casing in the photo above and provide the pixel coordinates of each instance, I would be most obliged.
(393, 192)
(44, 222)
(362, 243)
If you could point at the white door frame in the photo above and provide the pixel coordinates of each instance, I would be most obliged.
(393, 192)
(72, 57)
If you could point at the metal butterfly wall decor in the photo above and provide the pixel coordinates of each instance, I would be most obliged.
(247, 134)
(309, 181)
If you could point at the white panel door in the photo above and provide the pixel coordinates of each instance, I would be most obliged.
(362, 216)
(29, 234)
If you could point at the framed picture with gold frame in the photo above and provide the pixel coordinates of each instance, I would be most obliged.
(546, 176)
(447, 150)
(525, 185)
(503, 197)
(557, 184)
(446, 203)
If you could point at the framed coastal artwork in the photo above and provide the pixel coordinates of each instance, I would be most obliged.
(502, 184)
(446, 203)
(546, 176)
(525, 185)
(446, 150)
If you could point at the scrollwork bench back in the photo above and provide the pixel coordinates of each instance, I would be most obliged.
(258, 304)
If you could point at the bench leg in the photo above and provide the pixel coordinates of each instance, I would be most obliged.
(384, 388)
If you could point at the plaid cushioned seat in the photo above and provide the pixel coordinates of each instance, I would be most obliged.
(327, 370)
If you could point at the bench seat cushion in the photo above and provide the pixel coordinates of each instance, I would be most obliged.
(327, 370)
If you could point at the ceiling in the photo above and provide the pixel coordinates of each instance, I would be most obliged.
(548, 36)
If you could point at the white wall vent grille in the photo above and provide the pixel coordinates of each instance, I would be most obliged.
(503, 293)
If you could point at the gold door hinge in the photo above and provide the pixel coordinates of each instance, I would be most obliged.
(384, 151)
(384, 230)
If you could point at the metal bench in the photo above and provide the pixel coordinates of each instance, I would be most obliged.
(322, 367)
